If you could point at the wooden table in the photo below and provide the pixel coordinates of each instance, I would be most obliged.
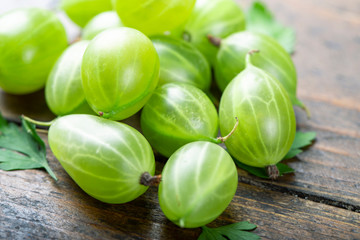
(320, 201)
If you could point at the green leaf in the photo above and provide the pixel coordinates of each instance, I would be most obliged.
(302, 139)
(284, 169)
(261, 172)
(292, 153)
(245, 225)
(242, 235)
(233, 231)
(260, 19)
(21, 148)
(210, 234)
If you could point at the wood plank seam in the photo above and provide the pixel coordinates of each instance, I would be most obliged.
(302, 195)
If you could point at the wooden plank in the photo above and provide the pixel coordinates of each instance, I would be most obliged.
(330, 169)
(32, 105)
(32, 205)
(328, 69)
(328, 40)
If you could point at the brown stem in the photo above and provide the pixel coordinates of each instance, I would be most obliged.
(186, 36)
(248, 56)
(251, 52)
(273, 172)
(214, 40)
(223, 139)
(151, 181)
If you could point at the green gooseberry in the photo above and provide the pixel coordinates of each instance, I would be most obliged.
(105, 158)
(177, 114)
(154, 17)
(267, 124)
(100, 23)
(181, 62)
(120, 70)
(273, 59)
(198, 183)
(82, 11)
(219, 18)
(31, 40)
(64, 93)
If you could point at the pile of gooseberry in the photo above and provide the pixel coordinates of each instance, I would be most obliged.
(155, 57)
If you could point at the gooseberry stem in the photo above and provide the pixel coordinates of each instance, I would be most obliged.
(273, 172)
(248, 56)
(38, 123)
(186, 36)
(214, 40)
(151, 181)
(308, 113)
(223, 139)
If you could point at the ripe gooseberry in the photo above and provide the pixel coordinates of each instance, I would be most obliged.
(177, 114)
(81, 11)
(219, 18)
(198, 182)
(154, 17)
(267, 124)
(31, 40)
(120, 70)
(273, 59)
(100, 23)
(181, 62)
(64, 93)
(105, 158)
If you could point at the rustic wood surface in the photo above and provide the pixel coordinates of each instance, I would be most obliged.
(320, 201)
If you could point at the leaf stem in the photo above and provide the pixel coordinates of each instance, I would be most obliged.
(223, 139)
(38, 123)
(52, 174)
(186, 36)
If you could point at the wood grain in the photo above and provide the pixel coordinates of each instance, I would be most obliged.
(327, 40)
(320, 201)
(33, 205)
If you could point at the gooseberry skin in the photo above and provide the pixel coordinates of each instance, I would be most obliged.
(64, 93)
(82, 11)
(198, 183)
(267, 124)
(120, 70)
(105, 158)
(154, 17)
(219, 18)
(100, 23)
(31, 40)
(177, 114)
(180, 62)
(273, 59)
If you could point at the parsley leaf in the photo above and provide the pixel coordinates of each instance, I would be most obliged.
(260, 19)
(262, 173)
(21, 148)
(235, 231)
(302, 139)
